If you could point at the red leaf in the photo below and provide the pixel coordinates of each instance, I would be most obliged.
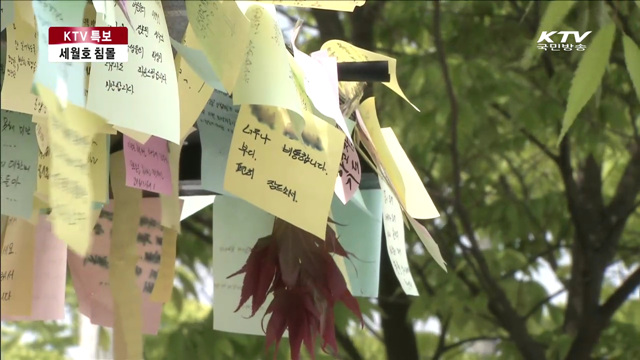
(259, 272)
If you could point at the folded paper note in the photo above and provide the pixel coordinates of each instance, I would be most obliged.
(91, 273)
(223, 32)
(20, 67)
(66, 79)
(216, 124)
(148, 165)
(192, 87)
(146, 87)
(17, 266)
(394, 234)
(18, 168)
(360, 234)
(291, 179)
(49, 276)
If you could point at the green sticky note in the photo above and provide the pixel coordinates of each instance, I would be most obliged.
(67, 80)
(198, 61)
(360, 233)
(19, 164)
(216, 124)
(6, 14)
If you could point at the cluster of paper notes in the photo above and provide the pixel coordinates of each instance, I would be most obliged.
(275, 143)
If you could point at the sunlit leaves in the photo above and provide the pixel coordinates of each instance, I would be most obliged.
(553, 16)
(588, 76)
(632, 59)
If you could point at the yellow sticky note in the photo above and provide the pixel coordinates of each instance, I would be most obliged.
(336, 5)
(192, 90)
(291, 179)
(123, 256)
(394, 233)
(266, 77)
(382, 152)
(418, 203)
(171, 204)
(164, 284)
(17, 264)
(70, 190)
(24, 11)
(344, 51)
(22, 57)
(141, 94)
(223, 32)
(99, 169)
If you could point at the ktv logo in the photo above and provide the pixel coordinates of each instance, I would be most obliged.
(546, 41)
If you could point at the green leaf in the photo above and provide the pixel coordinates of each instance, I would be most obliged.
(632, 58)
(553, 16)
(588, 76)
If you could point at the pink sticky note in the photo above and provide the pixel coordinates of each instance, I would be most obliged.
(49, 277)
(349, 173)
(93, 274)
(147, 165)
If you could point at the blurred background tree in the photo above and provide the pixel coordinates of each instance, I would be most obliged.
(542, 241)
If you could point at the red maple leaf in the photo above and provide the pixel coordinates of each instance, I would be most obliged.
(298, 269)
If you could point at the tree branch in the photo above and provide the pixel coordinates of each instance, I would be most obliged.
(499, 304)
(621, 294)
(538, 305)
(347, 345)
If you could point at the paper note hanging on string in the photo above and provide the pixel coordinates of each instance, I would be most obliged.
(418, 202)
(216, 124)
(17, 265)
(379, 151)
(164, 283)
(360, 234)
(66, 79)
(148, 165)
(233, 239)
(123, 254)
(394, 234)
(223, 32)
(6, 13)
(20, 69)
(146, 87)
(266, 77)
(429, 243)
(91, 273)
(71, 134)
(50, 276)
(344, 51)
(192, 88)
(171, 203)
(18, 171)
(336, 5)
(24, 12)
(291, 179)
(190, 51)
